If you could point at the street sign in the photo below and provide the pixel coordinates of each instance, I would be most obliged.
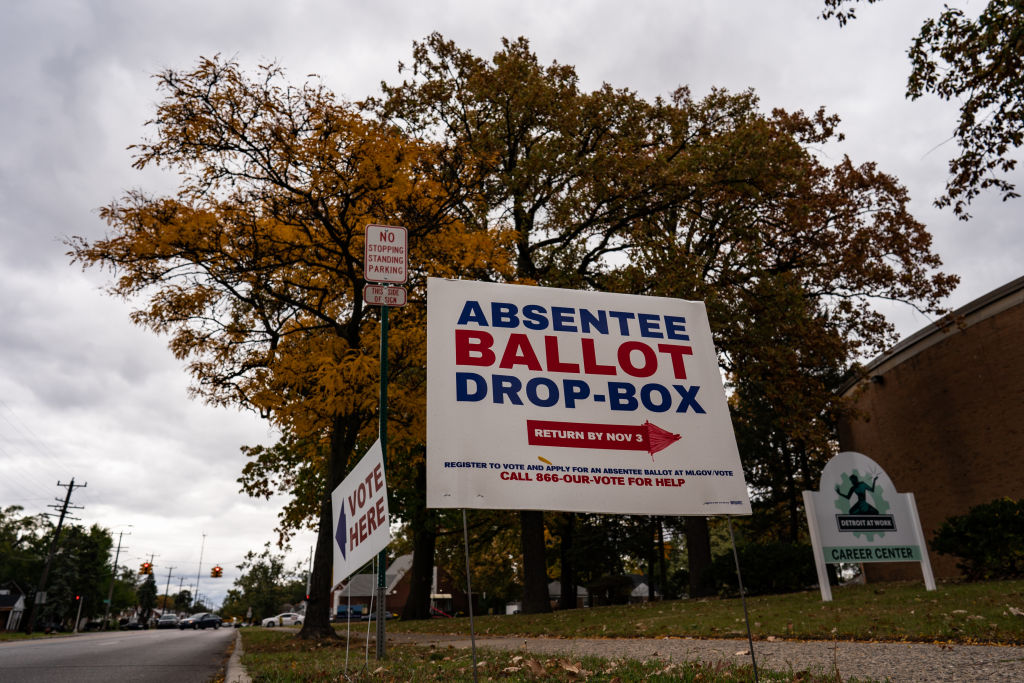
(386, 254)
(362, 526)
(383, 295)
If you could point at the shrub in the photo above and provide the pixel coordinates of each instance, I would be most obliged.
(767, 569)
(989, 540)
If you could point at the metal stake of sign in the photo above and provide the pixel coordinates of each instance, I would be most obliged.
(469, 593)
(743, 596)
(382, 558)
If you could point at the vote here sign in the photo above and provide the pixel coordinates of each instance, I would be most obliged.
(361, 520)
(554, 399)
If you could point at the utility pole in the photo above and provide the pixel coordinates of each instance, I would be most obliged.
(41, 588)
(167, 589)
(181, 582)
(113, 577)
(199, 570)
(309, 575)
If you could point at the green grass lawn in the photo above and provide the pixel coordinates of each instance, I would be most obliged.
(279, 657)
(956, 612)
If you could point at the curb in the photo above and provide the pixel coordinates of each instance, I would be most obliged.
(236, 673)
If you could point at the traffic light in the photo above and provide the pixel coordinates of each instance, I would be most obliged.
(146, 568)
(216, 572)
(77, 598)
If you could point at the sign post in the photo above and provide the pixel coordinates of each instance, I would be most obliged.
(386, 261)
(857, 516)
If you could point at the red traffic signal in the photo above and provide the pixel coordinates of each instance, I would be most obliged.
(77, 598)
(146, 568)
(217, 572)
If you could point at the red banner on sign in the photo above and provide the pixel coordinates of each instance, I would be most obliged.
(646, 437)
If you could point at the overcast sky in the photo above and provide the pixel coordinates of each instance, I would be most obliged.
(85, 394)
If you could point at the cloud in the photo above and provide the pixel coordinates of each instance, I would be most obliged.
(86, 394)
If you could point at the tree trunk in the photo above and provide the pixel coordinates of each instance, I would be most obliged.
(424, 535)
(317, 622)
(568, 598)
(698, 549)
(535, 572)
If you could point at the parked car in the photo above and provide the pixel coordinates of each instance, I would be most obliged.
(372, 616)
(130, 625)
(167, 621)
(284, 619)
(200, 620)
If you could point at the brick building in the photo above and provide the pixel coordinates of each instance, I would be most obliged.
(943, 413)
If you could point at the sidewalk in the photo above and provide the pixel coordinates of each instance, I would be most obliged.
(236, 673)
(880, 661)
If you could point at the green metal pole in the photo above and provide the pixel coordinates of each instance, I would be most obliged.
(383, 556)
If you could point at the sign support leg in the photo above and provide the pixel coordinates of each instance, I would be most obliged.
(926, 563)
(382, 558)
(469, 592)
(743, 597)
(819, 561)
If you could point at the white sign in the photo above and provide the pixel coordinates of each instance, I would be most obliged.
(380, 295)
(386, 257)
(555, 399)
(857, 516)
(361, 519)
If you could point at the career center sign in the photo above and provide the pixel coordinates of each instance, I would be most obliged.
(554, 399)
(857, 516)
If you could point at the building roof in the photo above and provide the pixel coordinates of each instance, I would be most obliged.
(11, 601)
(984, 307)
(555, 590)
(365, 585)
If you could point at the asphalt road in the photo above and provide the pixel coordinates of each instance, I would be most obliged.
(167, 655)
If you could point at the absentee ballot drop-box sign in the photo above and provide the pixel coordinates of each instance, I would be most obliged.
(555, 399)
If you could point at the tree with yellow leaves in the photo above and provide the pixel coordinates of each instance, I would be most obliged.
(254, 267)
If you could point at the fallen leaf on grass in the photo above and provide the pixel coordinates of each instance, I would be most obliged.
(571, 668)
(743, 653)
(1016, 612)
(535, 667)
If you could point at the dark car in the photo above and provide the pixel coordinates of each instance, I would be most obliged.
(372, 616)
(168, 621)
(200, 620)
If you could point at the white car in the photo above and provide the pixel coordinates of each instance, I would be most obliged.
(284, 619)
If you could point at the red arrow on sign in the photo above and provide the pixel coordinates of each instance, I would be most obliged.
(647, 437)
